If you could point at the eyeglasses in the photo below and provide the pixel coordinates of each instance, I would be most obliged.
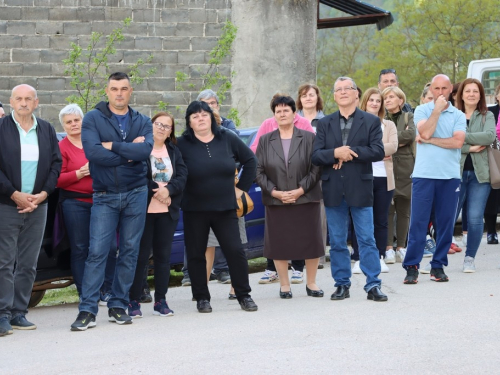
(159, 125)
(387, 71)
(212, 103)
(346, 89)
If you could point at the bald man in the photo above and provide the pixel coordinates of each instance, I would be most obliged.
(30, 163)
(436, 179)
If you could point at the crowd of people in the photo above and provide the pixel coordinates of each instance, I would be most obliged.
(376, 174)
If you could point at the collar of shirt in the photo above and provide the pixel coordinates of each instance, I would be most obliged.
(348, 117)
(35, 123)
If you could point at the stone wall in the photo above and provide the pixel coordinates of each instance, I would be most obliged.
(35, 37)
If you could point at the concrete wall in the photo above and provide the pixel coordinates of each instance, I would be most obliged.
(275, 50)
(35, 37)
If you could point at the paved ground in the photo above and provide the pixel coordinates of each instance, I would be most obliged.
(427, 328)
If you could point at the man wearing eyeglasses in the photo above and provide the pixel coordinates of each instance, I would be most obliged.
(117, 140)
(346, 144)
(210, 97)
(388, 78)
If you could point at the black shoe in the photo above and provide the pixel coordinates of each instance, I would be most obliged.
(248, 304)
(341, 293)
(223, 277)
(321, 266)
(203, 306)
(375, 294)
(437, 274)
(286, 295)
(83, 321)
(212, 276)
(5, 327)
(119, 316)
(146, 296)
(411, 275)
(232, 296)
(20, 322)
(492, 239)
(314, 293)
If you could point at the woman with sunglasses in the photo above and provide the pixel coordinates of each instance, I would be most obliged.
(167, 176)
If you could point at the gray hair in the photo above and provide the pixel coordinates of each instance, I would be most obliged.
(340, 79)
(207, 94)
(70, 109)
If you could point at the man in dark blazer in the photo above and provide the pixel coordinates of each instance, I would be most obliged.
(346, 144)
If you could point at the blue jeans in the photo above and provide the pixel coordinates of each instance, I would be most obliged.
(340, 257)
(127, 212)
(77, 222)
(476, 194)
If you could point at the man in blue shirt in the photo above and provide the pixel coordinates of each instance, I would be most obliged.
(117, 140)
(436, 178)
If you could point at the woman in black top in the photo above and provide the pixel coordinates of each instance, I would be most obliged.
(209, 200)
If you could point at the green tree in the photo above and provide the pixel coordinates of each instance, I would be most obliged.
(431, 37)
(89, 70)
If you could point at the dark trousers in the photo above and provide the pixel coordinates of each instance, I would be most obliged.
(298, 265)
(381, 203)
(490, 212)
(158, 235)
(225, 227)
(429, 194)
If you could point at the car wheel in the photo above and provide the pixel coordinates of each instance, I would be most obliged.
(36, 298)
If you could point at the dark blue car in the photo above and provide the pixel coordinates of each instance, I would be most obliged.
(53, 268)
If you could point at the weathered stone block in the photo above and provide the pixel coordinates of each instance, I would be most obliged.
(37, 70)
(171, 70)
(146, 15)
(4, 56)
(117, 14)
(161, 84)
(218, 4)
(62, 41)
(77, 28)
(164, 57)
(105, 27)
(97, 3)
(10, 14)
(189, 29)
(11, 41)
(127, 44)
(177, 43)
(175, 15)
(213, 29)
(176, 98)
(194, 57)
(90, 14)
(36, 41)
(136, 28)
(47, 27)
(63, 14)
(14, 81)
(53, 56)
(196, 71)
(51, 84)
(191, 3)
(148, 98)
(202, 15)
(224, 15)
(4, 85)
(34, 13)
(189, 85)
(20, 28)
(3, 27)
(148, 43)
(50, 113)
(51, 3)
(59, 97)
(162, 29)
(44, 97)
(204, 43)
(164, 3)
(25, 55)
(110, 3)
(139, 87)
(18, 3)
(59, 70)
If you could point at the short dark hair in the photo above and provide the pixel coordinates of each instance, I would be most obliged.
(171, 138)
(198, 106)
(387, 71)
(281, 99)
(118, 76)
(481, 105)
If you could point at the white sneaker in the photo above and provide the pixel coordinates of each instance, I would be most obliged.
(426, 269)
(383, 266)
(269, 277)
(390, 256)
(355, 268)
(464, 239)
(297, 277)
(401, 253)
(469, 266)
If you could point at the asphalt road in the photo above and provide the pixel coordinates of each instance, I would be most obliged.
(426, 328)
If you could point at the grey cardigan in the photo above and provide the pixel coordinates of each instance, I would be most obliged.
(479, 132)
(271, 168)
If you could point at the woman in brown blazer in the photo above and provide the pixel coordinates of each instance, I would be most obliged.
(291, 194)
(383, 175)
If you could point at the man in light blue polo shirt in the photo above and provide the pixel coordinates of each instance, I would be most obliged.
(436, 178)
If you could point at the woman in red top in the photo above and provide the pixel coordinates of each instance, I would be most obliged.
(75, 195)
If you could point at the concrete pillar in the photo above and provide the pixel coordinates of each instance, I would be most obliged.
(274, 50)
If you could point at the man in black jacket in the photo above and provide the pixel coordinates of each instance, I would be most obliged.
(30, 163)
(346, 144)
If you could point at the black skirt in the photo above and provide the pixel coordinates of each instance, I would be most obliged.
(293, 232)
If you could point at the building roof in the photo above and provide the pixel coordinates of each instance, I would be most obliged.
(362, 14)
